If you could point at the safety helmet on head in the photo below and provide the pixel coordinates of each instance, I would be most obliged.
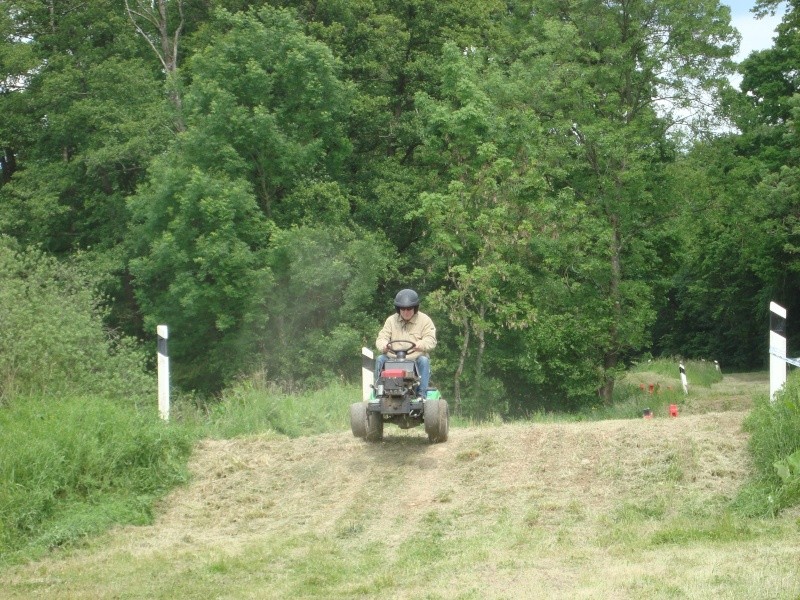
(406, 299)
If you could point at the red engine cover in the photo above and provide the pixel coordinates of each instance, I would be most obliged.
(393, 373)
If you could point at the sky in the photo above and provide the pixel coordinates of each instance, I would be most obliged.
(757, 34)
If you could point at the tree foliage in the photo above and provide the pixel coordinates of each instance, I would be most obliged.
(549, 174)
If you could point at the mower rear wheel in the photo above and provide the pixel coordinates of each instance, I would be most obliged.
(358, 419)
(437, 420)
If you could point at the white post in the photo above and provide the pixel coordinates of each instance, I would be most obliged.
(367, 373)
(683, 378)
(777, 349)
(163, 373)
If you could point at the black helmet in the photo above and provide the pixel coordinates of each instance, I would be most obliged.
(406, 299)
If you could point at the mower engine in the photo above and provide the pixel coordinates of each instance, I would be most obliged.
(394, 392)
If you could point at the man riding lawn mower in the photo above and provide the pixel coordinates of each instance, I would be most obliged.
(401, 392)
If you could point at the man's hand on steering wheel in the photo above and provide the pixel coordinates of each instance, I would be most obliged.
(409, 346)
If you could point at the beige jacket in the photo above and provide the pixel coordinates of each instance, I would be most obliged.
(419, 329)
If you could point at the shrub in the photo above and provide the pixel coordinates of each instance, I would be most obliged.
(52, 339)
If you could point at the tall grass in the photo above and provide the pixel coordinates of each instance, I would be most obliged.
(698, 372)
(774, 429)
(75, 466)
(254, 405)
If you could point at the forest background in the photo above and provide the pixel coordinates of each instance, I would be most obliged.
(571, 185)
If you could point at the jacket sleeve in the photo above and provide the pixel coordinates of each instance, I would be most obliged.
(384, 335)
(428, 341)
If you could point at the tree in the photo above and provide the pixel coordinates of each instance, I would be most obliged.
(732, 268)
(263, 121)
(161, 24)
(602, 73)
(78, 129)
(321, 301)
(480, 219)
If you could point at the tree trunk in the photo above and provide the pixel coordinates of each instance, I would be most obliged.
(151, 21)
(611, 356)
(8, 164)
(460, 368)
(481, 347)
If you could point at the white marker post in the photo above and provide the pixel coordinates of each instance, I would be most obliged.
(777, 349)
(683, 378)
(367, 373)
(163, 373)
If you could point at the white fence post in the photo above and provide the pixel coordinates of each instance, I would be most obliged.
(685, 383)
(163, 373)
(777, 349)
(367, 373)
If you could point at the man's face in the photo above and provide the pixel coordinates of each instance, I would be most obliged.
(406, 313)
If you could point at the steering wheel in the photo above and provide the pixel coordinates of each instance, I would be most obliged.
(409, 346)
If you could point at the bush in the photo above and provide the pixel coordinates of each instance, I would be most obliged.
(76, 466)
(52, 339)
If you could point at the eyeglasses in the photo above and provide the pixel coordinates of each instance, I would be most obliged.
(407, 308)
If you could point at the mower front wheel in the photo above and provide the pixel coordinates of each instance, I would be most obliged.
(365, 424)
(358, 419)
(437, 420)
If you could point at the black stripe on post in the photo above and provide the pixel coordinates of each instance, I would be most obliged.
(682, 370)
(162, 346)
(777, 323)
(367, 362)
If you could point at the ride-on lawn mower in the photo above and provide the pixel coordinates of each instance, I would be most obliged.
(394, 400)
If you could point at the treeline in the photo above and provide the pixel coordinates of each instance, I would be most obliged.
(569, 184)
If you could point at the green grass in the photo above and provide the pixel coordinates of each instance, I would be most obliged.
(254, 406)
(76, 466)
(473, 531)
(774, 429)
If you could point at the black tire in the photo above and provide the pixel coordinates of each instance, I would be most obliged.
(374, 425)
(358, 419)
(437, 420)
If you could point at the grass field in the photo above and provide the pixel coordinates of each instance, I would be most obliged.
(636, 508)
